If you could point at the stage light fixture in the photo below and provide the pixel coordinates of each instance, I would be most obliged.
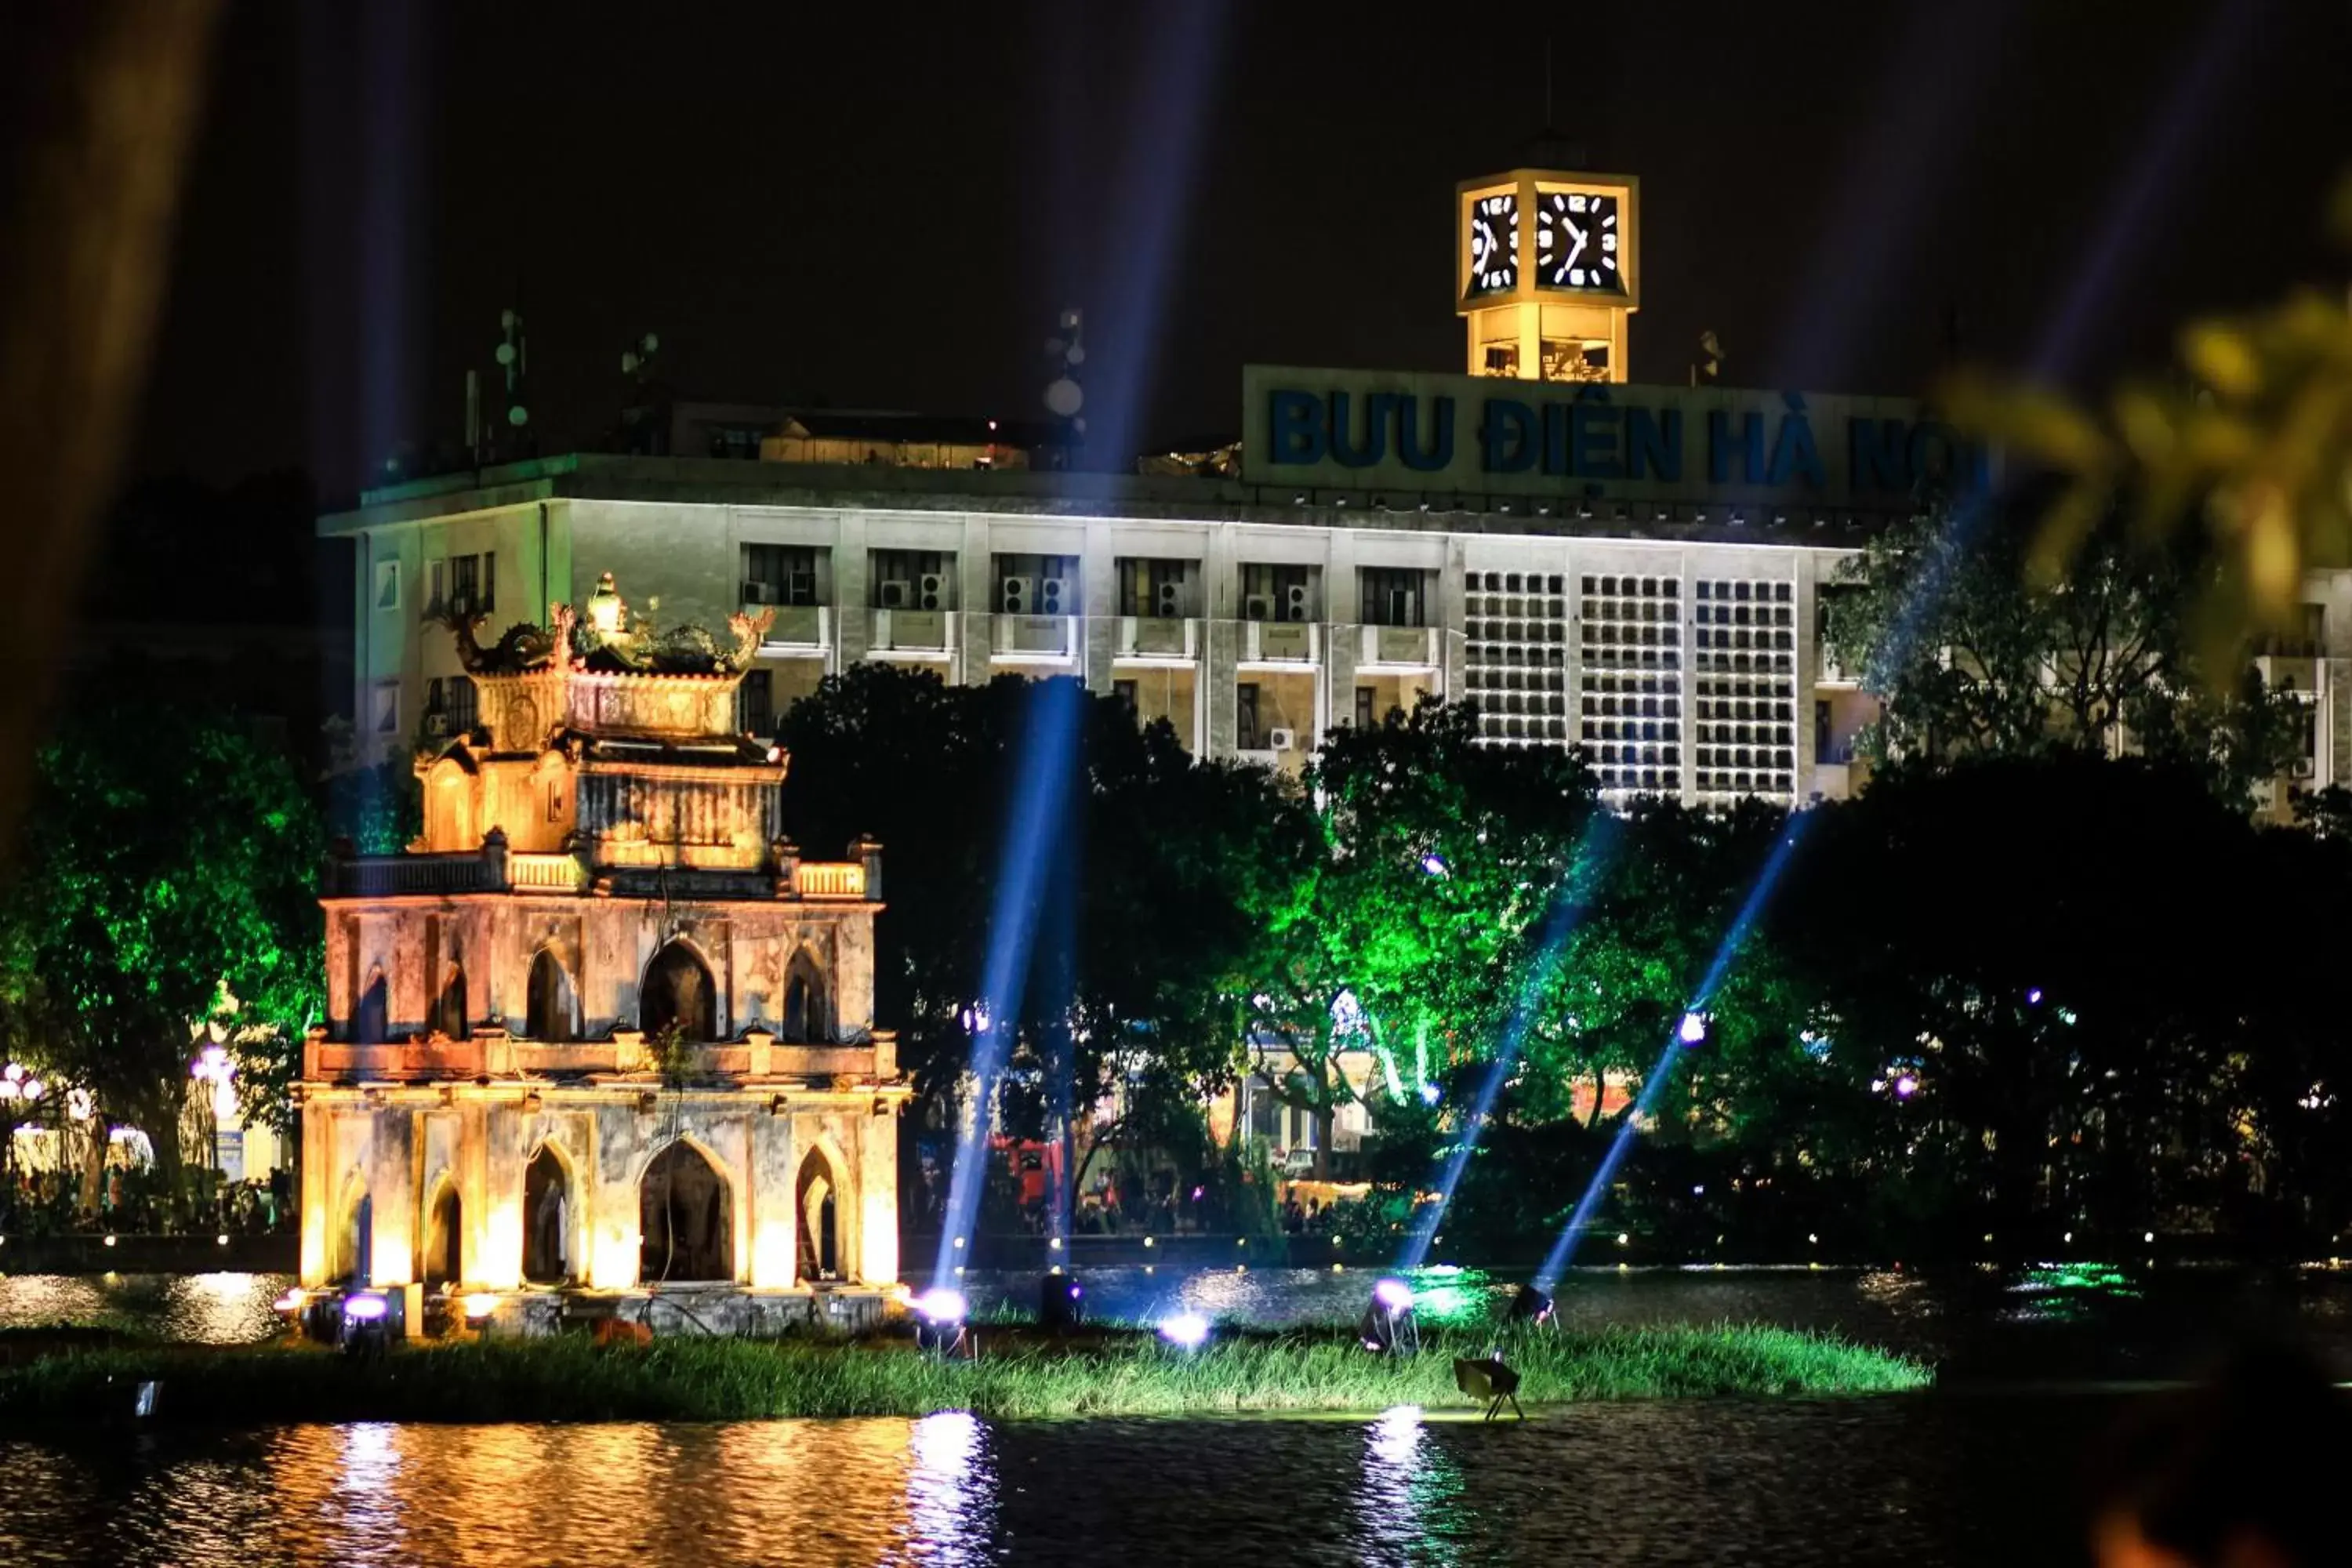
(1490, 1379)
(1531, 1306)
(1061, 1303)
(1389, 1327)
(1185, 1331)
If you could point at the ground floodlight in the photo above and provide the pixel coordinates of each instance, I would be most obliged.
(1692, 1030)
(1491, 1381)
(938, 1322)
(365, 1330)
(1061, 1303)
(1532, 1306)
(1389, 1327)
(1185, 1331)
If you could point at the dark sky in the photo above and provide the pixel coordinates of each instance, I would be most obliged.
(883, 206)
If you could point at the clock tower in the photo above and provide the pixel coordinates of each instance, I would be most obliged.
(1548, 264)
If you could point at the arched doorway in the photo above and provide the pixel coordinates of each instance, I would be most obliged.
(818, 1206)
(369, 1024)
(445, 1231)
(804, 1013)
(685, 1217)
(348, 1244)
(548, 1011)
(449, 1007)
(547, 1219)
(679, 990)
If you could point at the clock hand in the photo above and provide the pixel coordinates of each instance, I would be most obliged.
(1579, 245)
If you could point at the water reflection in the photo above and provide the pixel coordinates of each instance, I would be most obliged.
(216, 1309)
(951, 1493)
(1409, 1509)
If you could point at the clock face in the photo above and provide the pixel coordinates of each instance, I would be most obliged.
(1579, 244)
(1494, 243)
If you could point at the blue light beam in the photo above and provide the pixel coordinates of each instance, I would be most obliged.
(1726, 953)
(1569, 903)
(1039, 792)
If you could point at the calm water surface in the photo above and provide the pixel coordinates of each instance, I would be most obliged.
(1978, 1472)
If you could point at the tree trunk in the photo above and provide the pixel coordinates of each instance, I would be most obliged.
(1325, 1118)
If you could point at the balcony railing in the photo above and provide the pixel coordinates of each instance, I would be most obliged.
(796, 625)
(829, 879)
(1281, 642)
(914, 631)
(1046, 637)
(1415, 647)
(398, 875)
(1159, 637)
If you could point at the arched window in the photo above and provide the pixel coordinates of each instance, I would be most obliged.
(348, 1244)
(679, 990)
(445, 1250)
(685, 1217)
(449, 1007)
(818, 1206)
(369, 1025)
(547, 1219)
(549, 1012)
(806, 1020)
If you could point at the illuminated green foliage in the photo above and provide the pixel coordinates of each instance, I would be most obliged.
(167, 855)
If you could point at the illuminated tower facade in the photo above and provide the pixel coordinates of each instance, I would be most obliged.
(1548, 271)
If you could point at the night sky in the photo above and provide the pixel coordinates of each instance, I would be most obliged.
(884, 206)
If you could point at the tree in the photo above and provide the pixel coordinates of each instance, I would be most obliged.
(167, 879)
(1972, 653)
(1435, 855)
(1160, 871)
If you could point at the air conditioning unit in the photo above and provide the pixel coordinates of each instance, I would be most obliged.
(1401, 606)
(1018, 595)
(931, 590)
(1053, 596)
(2306, 767)
(1167, 600)
(895, 594)
(1294, 603)
(1281, 740)
(759, 593)
(437, 724)
(1257, 607)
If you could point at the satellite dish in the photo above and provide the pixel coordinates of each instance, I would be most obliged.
(1056, 346)
(1070, 317)
(1080, 424)
(518, 415)
(506, 320)
(504, 354)
(629, 362)
(1065, 396)
(652, 343)
(1078, 354)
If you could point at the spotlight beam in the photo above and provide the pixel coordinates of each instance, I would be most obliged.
(1038, 793)
(1726, 953)
(1567, 910)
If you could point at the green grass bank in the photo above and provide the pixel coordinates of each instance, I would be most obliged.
(1119, 1373)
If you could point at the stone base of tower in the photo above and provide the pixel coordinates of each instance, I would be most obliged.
(690, 1312)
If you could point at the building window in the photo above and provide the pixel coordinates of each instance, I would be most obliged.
(1629, 698)
(387, 585)
(1743, 656)
(1157, 590)
(780, 574)
(1515, 654)
(472, 584)
(1395, 596)
(1276, 592)
(913, 580)
(1037, 584)
(1123, 691)
(756, 703)
(1365, 697)
(1247, 736)
(387, 708)
(465, 711)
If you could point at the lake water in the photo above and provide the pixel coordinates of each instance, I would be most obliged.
(1978, 1472)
